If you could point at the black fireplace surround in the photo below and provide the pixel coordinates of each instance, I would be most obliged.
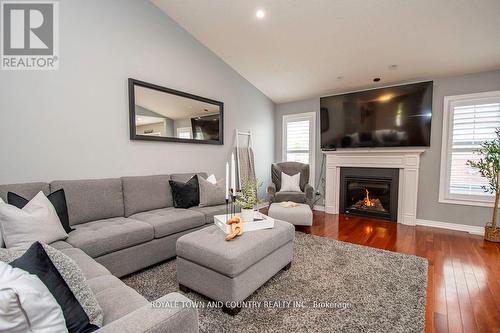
(371, 192)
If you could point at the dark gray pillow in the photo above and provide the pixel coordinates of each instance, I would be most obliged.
(72, 275)
(187, 194)
(210, 194)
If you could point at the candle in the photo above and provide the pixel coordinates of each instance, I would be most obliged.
(227, 180)
(233, 173)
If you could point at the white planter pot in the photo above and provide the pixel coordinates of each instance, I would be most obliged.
(247, 215)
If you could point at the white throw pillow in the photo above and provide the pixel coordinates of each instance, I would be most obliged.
(37, 221)
(26, 305)
(290, 183)
(212, 179)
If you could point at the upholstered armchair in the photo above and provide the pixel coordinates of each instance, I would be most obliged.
(290, 168)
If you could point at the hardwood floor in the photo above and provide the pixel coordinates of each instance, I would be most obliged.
(463, 293)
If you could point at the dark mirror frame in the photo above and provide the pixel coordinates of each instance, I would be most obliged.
(131, 97)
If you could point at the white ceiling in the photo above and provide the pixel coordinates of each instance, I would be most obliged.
(301, 47)
(172, 106)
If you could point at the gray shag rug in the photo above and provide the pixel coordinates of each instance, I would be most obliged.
(333, 286)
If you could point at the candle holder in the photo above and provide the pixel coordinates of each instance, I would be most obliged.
(230, 204)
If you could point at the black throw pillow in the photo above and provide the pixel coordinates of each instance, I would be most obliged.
(36, 261)
(187, 194)
(57, 199)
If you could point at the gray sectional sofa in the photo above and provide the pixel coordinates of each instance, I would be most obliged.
(122, 225)
(127, 223)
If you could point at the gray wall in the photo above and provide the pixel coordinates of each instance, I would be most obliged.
(428, 206)
(51, 129)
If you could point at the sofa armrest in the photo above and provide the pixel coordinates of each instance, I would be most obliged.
(271, 192)
(170, 313)
(309, 191)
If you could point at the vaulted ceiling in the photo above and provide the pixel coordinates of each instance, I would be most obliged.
(307, 48)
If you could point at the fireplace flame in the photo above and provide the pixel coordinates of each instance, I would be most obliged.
(367, 201)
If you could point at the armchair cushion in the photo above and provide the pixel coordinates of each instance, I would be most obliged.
(290, 168)
(299, 197)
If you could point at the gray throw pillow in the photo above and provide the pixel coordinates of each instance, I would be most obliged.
(72, 275)
(210, 194)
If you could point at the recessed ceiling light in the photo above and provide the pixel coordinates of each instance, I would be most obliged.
(377, 79)
(260, 14)
(385, 98)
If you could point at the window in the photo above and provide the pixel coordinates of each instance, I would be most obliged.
(299, 139)
(184, 133)
(468, 121)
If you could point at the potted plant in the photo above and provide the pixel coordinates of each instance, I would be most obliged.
(247, 200)
(489, 167)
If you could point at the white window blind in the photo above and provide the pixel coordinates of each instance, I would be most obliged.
(471, 120)
(297, 141)
(472, 124)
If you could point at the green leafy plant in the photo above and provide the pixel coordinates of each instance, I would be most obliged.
(489, 167)
(247, 198)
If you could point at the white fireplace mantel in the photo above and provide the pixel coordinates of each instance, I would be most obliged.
(406, 160)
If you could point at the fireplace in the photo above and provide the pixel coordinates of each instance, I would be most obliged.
(371, 192)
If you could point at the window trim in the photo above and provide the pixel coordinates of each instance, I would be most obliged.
(444, 176)
(312, 138)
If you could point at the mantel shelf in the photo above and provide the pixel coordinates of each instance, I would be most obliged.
(374, 150)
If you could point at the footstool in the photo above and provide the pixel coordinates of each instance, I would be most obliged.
(230, 271)
(298, 215)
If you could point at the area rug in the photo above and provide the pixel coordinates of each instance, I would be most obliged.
(332, 286)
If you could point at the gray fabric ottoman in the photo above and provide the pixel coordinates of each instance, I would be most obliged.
(299, 215)
(232, 271)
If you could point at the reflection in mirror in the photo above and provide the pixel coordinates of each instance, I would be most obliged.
(170, 115)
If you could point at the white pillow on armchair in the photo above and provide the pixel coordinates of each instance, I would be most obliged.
(290, 183)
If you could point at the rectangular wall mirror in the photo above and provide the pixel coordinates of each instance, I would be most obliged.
(162, 114)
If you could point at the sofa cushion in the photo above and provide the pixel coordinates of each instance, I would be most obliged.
(115, 298)
(211, 211)
(104, 236)
(145, 193)
(168, 221)
(93, 199)
(298, 197)
(89, 266)
(26, 190)
(206, 247)
(59, 245)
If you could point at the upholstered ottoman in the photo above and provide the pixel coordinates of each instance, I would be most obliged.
(230, 271)
(298, 215)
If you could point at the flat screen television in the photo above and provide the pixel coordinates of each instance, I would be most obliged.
(398, 116)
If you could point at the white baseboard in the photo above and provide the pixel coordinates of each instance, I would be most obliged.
(452, 226)
(319, 208)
